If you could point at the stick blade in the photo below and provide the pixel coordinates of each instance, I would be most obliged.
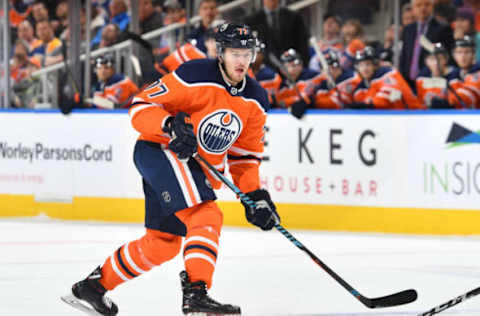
(426, 44)
(396, 299)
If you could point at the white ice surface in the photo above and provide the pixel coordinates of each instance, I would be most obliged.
(262, 272)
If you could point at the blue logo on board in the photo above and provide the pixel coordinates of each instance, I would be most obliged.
(219, 130)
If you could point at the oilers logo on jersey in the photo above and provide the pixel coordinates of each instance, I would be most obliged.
(218, 131)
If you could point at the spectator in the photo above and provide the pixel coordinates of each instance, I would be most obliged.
(110, 36)
(381, 87)
(114, 87)
(432, 82)
(412, 55)
(466, 78)
(281, 29)
(336, 93)
(118, 16)
(39, 13)
(331, 38)
(24, 87)
(352, 32)
(386, 52)
(207, 10)
(444, 13)
(149, 18)
(464, 24)
(174, 13)
(50, 52)
(18, 13)
(25, 33)
(61, 22)
(297, 89)
(407, 14)
(97, 20)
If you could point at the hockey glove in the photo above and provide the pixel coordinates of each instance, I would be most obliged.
(183, 142)
(299, 108)
(264, 215)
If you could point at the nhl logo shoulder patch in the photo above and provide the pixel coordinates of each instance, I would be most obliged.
(218, 131)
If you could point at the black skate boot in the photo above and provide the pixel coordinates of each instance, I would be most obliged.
(196, 301)
(88, 296)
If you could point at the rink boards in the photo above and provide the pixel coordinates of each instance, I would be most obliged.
(405, 172)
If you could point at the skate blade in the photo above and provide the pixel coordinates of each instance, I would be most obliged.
(71, 300)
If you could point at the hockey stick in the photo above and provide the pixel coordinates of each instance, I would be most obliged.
(323, 62)
(103, 102)
(428, 46)
(452, 302)
(399, 298)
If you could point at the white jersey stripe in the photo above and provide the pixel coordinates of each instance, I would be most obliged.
(139, 108)
(117, 271)
(199, 256)
(241, 151)
(251, 161)
(201, 239)
(130, 260)
(179, 176)
(192, 182)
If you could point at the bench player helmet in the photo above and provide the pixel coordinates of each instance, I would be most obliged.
(368, 53)
(332, 58)
(107, 59)
(465, 41)
(235, 35)
(291, 55)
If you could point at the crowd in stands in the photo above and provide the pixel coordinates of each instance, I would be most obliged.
(439, 48)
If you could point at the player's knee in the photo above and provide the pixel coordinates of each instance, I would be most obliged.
(209, 215)
(159, 247)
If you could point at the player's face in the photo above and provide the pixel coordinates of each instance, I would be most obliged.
(104, 72)
(237, 61)
(294, 68)
(366, 68)
(464, 56)
(435, 63)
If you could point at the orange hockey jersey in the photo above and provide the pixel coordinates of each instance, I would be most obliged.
(119, 89)
(326, 98)
(306, 82)
(387, 90)
(268, 79)
(472, 83)
(228, 120)
(429, 87)
(179, 56)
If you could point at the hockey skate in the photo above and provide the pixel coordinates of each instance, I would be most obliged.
(196, 301)
(88, 297)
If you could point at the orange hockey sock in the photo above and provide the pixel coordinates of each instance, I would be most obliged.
(201, 243)
(138, 257)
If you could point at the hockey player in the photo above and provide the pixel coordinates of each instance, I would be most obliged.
(433, 80)
(381, 87)
(465, 81)
(266, 76)
(304, 81)
(327, 96)
(115, 87)
(212, 108)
